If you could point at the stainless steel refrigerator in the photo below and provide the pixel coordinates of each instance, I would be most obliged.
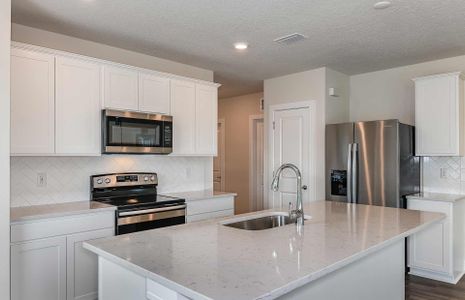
(371, 163)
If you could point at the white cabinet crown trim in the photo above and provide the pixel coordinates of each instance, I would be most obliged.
(19, 45)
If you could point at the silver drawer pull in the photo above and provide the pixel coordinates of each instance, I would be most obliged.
(152, 210)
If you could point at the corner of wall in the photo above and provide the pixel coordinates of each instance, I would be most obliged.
(337, 108)
(5, 38)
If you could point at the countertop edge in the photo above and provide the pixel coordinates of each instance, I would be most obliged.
(40, 217)
(274, 293)
(195, 195)
(437, 197)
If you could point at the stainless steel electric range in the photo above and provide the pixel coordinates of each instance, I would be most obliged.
(139, 207)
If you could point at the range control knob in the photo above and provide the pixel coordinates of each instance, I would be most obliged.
(107, 180)
(152, 178)
(146, 178)
(99, 181)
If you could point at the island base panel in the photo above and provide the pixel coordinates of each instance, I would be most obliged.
(379, 276)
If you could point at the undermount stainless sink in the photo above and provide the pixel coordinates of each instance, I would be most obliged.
(262, 222)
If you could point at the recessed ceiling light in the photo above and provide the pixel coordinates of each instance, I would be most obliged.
(382, 4)
(241, 46)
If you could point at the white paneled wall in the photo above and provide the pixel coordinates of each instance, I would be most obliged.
(454, 177)
(68, 177)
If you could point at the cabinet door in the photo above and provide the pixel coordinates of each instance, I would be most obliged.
(82, 265)
(154, 94)
(431, 249)
(120, 88)
(38, 270)
(77, 107)
(32, 103)
(437, 115)
(183, 110)
(206, 110)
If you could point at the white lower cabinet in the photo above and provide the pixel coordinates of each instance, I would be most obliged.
(438, 252)
(48, 263)
(209, 208)
(82, 275)
(38, 269)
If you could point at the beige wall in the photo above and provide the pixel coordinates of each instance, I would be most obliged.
(337, 107)
(29, 35)
(389, 94)
(236, 111)
(5, 26)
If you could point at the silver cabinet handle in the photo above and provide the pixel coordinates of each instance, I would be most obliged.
(349, 173)
(152, 210)
(355, 173)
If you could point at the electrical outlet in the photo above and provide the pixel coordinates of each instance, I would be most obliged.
(41, 179)
(443, 173)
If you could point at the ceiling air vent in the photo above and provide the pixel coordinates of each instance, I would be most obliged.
(290, 39)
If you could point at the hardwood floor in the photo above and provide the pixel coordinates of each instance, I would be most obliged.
(417, 288)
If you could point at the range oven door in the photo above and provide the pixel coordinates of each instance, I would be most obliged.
(136, 133)
(138, 220)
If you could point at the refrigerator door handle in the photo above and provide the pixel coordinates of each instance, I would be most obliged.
(349, 173)
(354, 173)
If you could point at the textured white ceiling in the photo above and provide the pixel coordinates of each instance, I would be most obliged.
(348, 36)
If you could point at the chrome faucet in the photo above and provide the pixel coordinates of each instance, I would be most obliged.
(299, 211)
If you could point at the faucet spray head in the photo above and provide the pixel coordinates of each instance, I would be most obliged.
(275, 184)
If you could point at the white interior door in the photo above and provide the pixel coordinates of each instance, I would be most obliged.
(218, 161)
(291, 138)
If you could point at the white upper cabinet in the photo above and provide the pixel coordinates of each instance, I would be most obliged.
(77, 107)
(206, 107)
(154, 93)
(439, 123)
(57, 98)
(194, 110)
(183, 110)
(121, 88)
(32, 103)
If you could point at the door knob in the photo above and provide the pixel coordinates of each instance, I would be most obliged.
(304, 187)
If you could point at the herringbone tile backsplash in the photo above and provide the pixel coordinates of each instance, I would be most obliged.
(68, 177)
(454, 178)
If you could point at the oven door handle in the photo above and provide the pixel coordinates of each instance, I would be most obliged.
(151, 210)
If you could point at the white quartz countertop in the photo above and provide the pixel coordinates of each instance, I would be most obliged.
(36, 212)
(199, 195)
(206, 260)
(437, 197)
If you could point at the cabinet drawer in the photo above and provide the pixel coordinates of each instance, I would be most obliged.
(61, 226)
(209, 205)
(156, 291)
(210, 215)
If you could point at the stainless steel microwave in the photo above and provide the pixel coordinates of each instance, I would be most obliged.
(125, 132)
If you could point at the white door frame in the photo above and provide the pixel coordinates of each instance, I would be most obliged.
(252, 119)
(311, 105)
(222, 148)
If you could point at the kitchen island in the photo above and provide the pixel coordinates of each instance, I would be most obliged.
(345, 251)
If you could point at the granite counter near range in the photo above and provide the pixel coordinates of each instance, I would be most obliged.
(207, 260)
(37, 212)
(201, 195)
